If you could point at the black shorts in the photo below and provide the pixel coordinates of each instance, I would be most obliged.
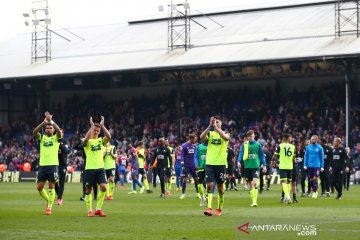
(285, 174)
(95, 176)
(110, 172)
(251, 173)
(230, 170)
(142, 171)
(201, 176)
(215, 172)
(48, 173)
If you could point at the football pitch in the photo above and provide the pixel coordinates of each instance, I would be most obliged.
(146, 216)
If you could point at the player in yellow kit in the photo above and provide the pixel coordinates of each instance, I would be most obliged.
(141, 160)
(94, 169)
(110, 170)
(169, 168)
(216, 161)
(49, 162)
(285, 152)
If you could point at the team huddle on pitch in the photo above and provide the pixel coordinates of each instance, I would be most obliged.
(207, 163)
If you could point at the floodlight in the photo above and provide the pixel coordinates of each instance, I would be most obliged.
(36, 22)
(26, 23)
(173, 7)
(46, 11)
(26, 15)
(161, 8)
(47, 21)
(186, 6)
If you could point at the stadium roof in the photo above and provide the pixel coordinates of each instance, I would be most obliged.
(269, 35)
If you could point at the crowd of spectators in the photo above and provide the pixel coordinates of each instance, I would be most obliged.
(268, 111)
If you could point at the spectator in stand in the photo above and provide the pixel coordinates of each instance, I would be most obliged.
(313, 112)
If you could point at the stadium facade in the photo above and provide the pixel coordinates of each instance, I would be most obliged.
(294, 45)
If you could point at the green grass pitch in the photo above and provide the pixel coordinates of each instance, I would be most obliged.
(146, 216)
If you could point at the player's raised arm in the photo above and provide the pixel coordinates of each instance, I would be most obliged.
(224, 135)
(203, 135)
(88, 134)
(36, 131)
(107, 137)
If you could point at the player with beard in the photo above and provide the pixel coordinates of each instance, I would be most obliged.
(339, 166)
(162, 156)
(314, 163)
(49, 162)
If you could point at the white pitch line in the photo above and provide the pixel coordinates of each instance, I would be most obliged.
(337, 230)
(343, 221)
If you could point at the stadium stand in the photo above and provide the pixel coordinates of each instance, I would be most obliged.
(268, 111)
(275, 68)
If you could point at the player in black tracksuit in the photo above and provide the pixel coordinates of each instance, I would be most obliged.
(268, 157)
(338, 166)
(325, 175)
(163, 156)
(59, 186)
(302, 172)
(230, 177)
(351, 167)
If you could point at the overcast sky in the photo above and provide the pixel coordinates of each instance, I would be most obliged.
(74, 13)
